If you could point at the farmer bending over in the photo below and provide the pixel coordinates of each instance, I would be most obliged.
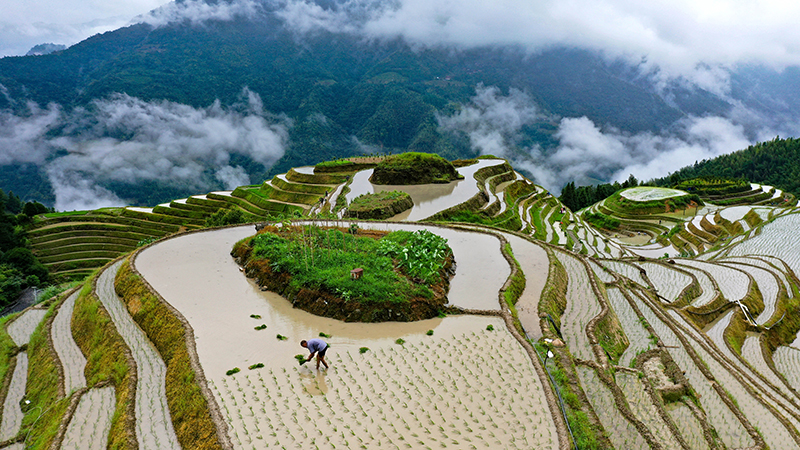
(317, 346)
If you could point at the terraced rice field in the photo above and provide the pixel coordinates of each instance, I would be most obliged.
(396, 396)
(12, 413)
(154, 428)
(627, 270)
(72, 360)
(463, 381)
(582, 306)
(668, 282)
(92, 421)
(622, 433)
(638, 336)
(767, 285)
(733, 283)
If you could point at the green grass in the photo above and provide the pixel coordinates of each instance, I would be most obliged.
(322, 259)
(7, 346)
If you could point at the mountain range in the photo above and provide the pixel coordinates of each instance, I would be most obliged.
(261, 96)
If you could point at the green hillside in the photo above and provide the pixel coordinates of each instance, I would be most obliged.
(774, 163)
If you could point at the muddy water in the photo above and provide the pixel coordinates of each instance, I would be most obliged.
(428, 198)
(197, 275)
(535, 265)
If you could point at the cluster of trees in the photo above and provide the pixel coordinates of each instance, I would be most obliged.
(775, 163)
(576, 198)
(19, 267)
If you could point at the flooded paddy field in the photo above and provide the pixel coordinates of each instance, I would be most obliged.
(430, 382)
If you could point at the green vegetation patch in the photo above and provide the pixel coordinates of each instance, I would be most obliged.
(600, 220)
(414, 168)
(380, 205)
(405, 274)
(188, 407)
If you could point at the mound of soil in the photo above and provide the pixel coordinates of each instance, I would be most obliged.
(327, 304)
(379, 206)
(414, 168)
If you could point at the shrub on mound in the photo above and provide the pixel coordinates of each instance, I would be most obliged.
(381, 205)
(414, 168)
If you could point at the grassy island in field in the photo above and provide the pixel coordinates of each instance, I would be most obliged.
(414, 168)
(405, 274)
(380, 205)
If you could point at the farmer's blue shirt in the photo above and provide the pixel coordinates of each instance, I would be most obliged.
(316, 345)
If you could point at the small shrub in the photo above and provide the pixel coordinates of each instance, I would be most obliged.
(400, 341)
(255, 316)
(429, 333)
(322, 334)
(261, 327)
(233, 371)
(281, 337)
(363, 350)
(256, 366)
(489, 327)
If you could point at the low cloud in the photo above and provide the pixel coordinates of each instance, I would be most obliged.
(698, 42)
(198, 11)
(127, 140)
(585, 152)
(493, 121)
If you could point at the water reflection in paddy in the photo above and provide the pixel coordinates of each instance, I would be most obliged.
(429, 198)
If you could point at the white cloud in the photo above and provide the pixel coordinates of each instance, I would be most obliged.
(493, 121)
(125, 139)
(198, 11)
(585, 152)
(694, 40)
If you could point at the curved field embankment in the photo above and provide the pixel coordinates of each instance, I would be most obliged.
(195, 274)
(153, 423)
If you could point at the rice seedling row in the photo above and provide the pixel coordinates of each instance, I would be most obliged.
(720, 417)
(484, 395)
(691, 428)
(787, 362)
(778, 239)
(11, 420)
(775, 397)
(89, 427)
(23, 327)
(752, 353)
(627, 270)
(582, 306)
(774, 432)
(621, 432)
(732, 283)
(638, 336)
(601, 274)
(643, 408)
(154, 428)
(668, 282)
(706, 285)
(763, 264)
(71, 357)
(767, 285)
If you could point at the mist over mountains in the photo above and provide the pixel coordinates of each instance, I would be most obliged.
(198, 96)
